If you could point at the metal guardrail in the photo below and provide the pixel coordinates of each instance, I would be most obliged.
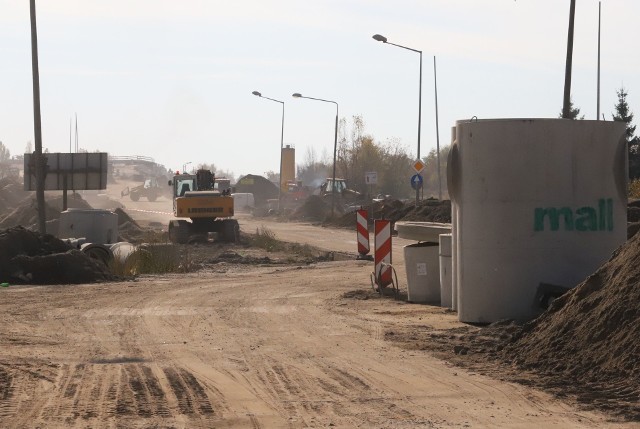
(134, 158)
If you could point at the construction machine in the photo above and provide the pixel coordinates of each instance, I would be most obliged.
(150, 189)
(208, 210)
(344, 195)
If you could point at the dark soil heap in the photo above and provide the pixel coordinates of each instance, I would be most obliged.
(591, 335)
(426, 211)
(26, 212)
(128, 229)
(34, 258)
(314, 208)
(261, 188)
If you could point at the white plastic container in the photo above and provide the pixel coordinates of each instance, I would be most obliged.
(423, 273)
(536, 201)
(446, 295)
(96, 225)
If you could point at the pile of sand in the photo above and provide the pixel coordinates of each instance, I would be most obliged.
(34, 258)
(128, 229)
(314, 208)
(11, 194)
(25, 213)
(591, 335)
(261, 188)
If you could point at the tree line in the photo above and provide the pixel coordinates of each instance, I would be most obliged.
(358, 153)
(621, 113)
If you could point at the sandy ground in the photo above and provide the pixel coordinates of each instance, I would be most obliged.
(262, 346)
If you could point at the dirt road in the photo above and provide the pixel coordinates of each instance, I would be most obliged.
(235, 346)
(271, 347)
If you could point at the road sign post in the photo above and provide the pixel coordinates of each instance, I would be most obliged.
(416, 181)
(418, 167)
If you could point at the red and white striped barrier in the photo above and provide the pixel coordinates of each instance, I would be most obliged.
(382, 253)
(362, 229)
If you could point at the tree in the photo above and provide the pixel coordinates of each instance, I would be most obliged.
(314, 170)
(360, 153)
(215, 170)
(430, 173)
(5, 155)
(573, 111)
(624, 114)
(272, 176)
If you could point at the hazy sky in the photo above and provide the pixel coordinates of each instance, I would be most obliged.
(173, 79)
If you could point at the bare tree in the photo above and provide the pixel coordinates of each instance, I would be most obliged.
(5, 155)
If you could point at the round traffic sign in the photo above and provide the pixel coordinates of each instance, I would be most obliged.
(416, 181)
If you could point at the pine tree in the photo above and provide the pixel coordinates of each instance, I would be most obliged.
(623, 114)
(573, 111)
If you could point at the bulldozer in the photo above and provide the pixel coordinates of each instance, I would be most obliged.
(149, 189)
(345, 197)
(208, 210)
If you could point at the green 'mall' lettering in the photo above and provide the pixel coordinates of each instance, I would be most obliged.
(586, 218)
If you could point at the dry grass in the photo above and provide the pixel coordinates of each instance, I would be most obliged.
(155, 258)
(634, 188)
(266, 239)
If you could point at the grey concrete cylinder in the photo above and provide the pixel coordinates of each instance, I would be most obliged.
(536, 201)
(423, 273)
(96, 225)
(446, 295)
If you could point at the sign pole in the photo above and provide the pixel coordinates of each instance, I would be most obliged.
(37, 122)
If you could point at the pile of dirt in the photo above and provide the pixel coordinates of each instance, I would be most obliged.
(11, 194)
(128, 229)
(429, 210)
(591, 335)
(25, 213)
(261, 188)
(30, 257)
(314, 208)
(633, 217)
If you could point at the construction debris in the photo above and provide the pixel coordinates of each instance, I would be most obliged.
(30, 257)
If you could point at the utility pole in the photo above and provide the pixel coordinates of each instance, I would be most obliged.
(598, 102)
(566, 106)
(37, 122)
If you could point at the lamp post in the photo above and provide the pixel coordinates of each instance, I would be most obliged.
(335, 149)
(258, 94)
(184, 167)
(383, 39)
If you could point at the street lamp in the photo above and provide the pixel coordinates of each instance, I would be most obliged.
(258, 94)
(335, 149)
(383, 39)
(184, 167)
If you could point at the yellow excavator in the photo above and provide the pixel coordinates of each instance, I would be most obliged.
(196, 198)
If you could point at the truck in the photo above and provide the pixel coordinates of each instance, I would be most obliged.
(201, 208)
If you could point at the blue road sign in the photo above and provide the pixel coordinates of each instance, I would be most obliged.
(416, 181)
